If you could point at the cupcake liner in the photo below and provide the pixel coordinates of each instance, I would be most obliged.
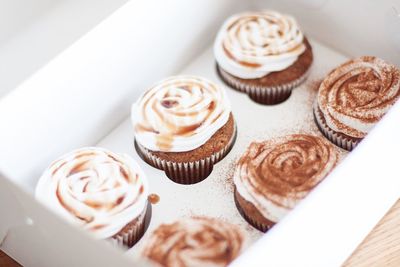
(341, 140)
(186, 172)
(132, 233)
(267, 95)
(259, 226)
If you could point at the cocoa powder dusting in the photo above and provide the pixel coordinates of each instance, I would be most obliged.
(225, 176)
(195, 241)
(313, 87)
(291, 164)
(362, 89)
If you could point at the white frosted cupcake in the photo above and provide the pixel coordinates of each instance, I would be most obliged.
(183, 125)
(103, 192)
(263, 54)
(273, 176)
(354, 97)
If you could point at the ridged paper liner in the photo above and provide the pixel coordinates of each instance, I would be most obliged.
(338, 139)
(129, 236)
(260, 226)
(266, 95)
(185, 172)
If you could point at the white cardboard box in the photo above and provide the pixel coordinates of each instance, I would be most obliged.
(83, 95)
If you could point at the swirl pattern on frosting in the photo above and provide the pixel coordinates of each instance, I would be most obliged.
(96, 189)
(197, 241)
(179, 114)
(276, 174)
(356, 95)
(250, 45)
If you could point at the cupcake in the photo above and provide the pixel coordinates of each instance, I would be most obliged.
(273, 176)
(198, 241)
(100, 191)
(354, 97)
(263, 54)
(183, 125)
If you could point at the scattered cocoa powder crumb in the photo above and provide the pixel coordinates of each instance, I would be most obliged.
(313, 86)
(226, 176)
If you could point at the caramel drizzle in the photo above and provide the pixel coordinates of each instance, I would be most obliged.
(70, 209)
(164, 142)
(241, 62)
(154, 198)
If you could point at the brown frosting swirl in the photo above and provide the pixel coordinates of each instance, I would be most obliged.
(355, 96)
(276, 174)
(197, 241)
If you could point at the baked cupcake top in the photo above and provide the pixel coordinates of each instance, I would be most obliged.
(96, 189)
(252, 44)
(179, 114)
(276, 174)
(197, 241)
(356, 95)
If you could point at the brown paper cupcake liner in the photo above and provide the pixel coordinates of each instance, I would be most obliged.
(186, 172)
(258, 225)
(339, 139)
(133, 231)
(266, 95)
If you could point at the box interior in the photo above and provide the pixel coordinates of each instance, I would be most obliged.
(82, 97)
(214, 196)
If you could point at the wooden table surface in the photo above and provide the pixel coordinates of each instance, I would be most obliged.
(380, 248)
(6, 261)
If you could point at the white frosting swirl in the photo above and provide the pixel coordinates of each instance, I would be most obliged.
(356, 95)
(180, 113)
(276, 174)
(96, 189)
(250, 45)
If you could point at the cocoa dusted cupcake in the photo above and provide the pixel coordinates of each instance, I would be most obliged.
(273, 176)
(198, 241)
(183, 125)
(354, 97)
(103, 192)
(263, 54)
